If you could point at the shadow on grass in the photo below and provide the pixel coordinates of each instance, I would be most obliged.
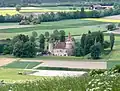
(107, 52)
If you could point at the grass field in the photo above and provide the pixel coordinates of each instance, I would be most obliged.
(74, 26)
(11, 75)
(22, 65)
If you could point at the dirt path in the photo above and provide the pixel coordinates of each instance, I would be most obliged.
(5, 61)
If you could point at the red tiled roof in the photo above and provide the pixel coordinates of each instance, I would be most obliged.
(60, 45)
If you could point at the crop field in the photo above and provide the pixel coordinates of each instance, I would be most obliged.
(74, 26)
(8, 12)
(104, 20)
(22, 65)
(12, 11)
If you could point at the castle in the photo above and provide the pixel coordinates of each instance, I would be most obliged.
(62, 48)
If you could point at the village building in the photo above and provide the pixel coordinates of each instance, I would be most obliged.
(62, 48)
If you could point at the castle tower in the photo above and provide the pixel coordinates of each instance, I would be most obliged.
(69, 42)
(50, 49)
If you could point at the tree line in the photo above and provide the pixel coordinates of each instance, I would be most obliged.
(94, 44)
(46, 17)
(9, 18)
(28, 46)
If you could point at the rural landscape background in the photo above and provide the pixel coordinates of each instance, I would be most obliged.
(30, 29)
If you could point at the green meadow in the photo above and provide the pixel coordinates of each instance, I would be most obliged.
(74, 26)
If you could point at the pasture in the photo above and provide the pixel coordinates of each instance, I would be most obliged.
(74, 26)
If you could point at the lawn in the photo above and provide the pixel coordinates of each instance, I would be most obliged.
(11, 75)
(22, 65)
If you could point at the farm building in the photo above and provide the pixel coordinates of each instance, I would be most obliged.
(98, 7)
(62, 48)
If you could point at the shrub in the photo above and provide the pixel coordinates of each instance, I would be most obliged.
(118, 24)
(106, 44)
(24, 22)
(116, 69)
(111, 27)
(97, 71)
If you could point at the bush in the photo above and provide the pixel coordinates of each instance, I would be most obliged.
(97, 71)
(111, 27)
(24, 22)
(118, 24)
(116, 69)
(106, 44)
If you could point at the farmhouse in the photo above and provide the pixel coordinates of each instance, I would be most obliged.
(62, 48)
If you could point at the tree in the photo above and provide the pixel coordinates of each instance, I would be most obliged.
(8, 49)
(47, 35)
(62, 36)
(26, 49)
(96, 50)
(32, 39)
(18, 49)
(42, 42)
(112, 40)
(82, 13)
(88, 42)
(56, 35)
(34, 34)
(79, 51)
(18, 8)
(20, 37)
(46, 40)
(29, 49)
(83, 40)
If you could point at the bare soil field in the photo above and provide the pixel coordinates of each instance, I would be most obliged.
(117, 17)
(5, 61)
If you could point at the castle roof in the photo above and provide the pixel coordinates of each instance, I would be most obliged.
(60, 45)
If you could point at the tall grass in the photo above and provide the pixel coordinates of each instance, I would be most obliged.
(52, 84)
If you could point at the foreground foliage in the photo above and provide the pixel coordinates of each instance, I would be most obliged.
(53, 84)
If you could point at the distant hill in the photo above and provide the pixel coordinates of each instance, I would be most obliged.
(14, 2)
